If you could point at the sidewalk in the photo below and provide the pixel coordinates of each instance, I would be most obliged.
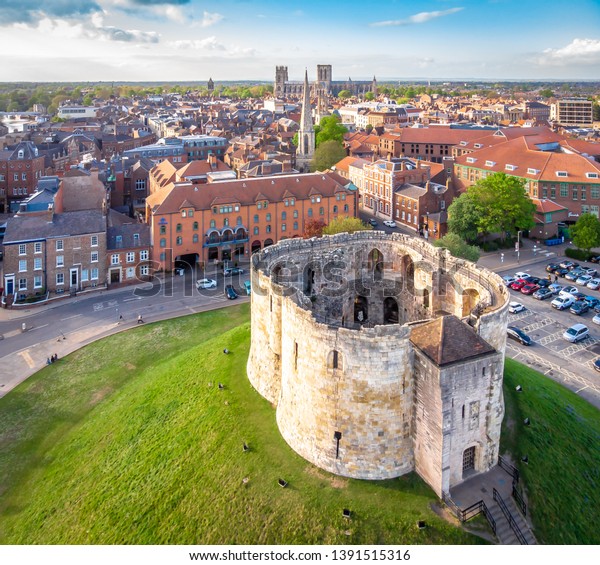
(528, 255)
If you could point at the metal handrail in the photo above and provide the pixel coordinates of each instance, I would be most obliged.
(509, 517)
(510, 469)
(470, 512)
(516, 494)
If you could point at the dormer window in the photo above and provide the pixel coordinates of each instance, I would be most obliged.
(511, 167)
(490, 163)
(463, 143)
(21, 154)
(591, 175)
(471, 160)
(561, 173)
(531, 171)
(478, 145)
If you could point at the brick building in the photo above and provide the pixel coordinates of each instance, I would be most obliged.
(230, 220)
(20, 169)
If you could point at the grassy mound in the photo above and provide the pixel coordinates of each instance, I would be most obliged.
(131, 441)
(562, 444)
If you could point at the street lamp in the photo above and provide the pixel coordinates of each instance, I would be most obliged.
(518, 246)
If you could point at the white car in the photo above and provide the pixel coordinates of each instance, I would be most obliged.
(594, 284)
(563, 302)
(576, 333)
(568, 291)
(206, 283)
(596, 319)
(516, 307)
(389, 223)
(583, 279)
(522, 275)
(508, 280)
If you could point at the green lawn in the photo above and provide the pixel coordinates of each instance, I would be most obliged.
(130, 441)
(562, 444)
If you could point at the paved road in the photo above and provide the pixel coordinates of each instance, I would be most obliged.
(63, 326)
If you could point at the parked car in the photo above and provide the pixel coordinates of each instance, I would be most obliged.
(389, 223)
(530, 288)
(543, 293)
(543, 283)
(568, 291)
(551, 267)
(596, 319)
(555, 288)
(248, 287)
(516, 307)
(577, 296)
(373, 222)
(531, 280)
(576, 333)
(232, 271)
(206, 283)
(589, 271)
(595, 259)
(561, 272)
(592, 301)
(562, 302)
(518, 335)
(568, 265)
(583, 279)
(579, 308)
(593, 284)
(518, 284)
(574, 274)
(508, 280)
(230, 293)
(521, 275)
(597, 364)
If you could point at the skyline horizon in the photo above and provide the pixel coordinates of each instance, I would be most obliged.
(182, 40)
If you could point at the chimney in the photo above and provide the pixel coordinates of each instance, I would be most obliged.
(50, 213)
(212, 161)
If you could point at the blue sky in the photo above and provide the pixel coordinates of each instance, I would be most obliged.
(189, 40)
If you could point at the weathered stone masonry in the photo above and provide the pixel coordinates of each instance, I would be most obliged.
(382, 354)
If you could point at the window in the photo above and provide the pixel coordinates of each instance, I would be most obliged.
(163, 230)
(163, 242)
(295, 213)
(24, 176)
(283, 216)
(145, 270)
(310, 212)
(564, 193)
(183, 215)
(295, 226)
(94, 276)
(144, 255)
(115, 259)
(335, 209)
(37, 247)
(178, 227)
(595, 192)
(59, 245)
(94, 241)
(269, 228)
(179, 240)
(140, 184)
(129, 273)
(37, 263)
(22, 249)
(561, 173)
(283, 227)
(22, 284)
(60, 278)
(256, 218)
(226, 222)
(268, 217)
(213, 224)
(321, 211)
(16, 177)
(163, 256)
(255, 230)
(574, 193)
(346, 208)
(94, 257)
(130, 256)
(85, 275)
(60, 260)
(195, 238)
(37, 281)
(594, 210)
(195, 226)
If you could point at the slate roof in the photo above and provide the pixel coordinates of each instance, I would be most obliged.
(36, 228)
(447, 340)
(126, 227)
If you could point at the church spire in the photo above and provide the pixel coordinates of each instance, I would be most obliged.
(306, 120)
(306, 133)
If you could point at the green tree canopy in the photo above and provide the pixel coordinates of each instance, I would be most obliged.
(497, 203)
(546, 93)
(326, 155)
(344, 94)
(586, 232)
(369, 96)
(458, 247)
(329, 129)
(347, 224)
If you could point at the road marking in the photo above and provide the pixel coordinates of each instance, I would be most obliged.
(582, 388)
(71, 317)
(98, 306)
(39, 327)
(130, 299)
(27, 358)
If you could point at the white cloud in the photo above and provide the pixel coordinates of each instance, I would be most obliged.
(209, 44)
(209, 19)
(419, 18)
(579, 51)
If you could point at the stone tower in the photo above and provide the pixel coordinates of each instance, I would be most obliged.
(374, 87)
(306, 133)
(324, 77)
(211, 86)
(281, 77)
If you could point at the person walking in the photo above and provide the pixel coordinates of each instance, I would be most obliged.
(140, 319)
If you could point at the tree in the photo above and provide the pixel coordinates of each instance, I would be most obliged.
(546, 93)
(503, 204)
(327, 155)
(458, 247)
(369, 128)
(313, 228)
(463, 217)
(344, 94)
(328, 129)
(369, 96)
(344, 224)
(586, 232)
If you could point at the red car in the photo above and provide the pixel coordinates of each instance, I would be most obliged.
(530, 288)
(518, 284)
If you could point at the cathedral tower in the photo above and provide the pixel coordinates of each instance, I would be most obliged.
(306, 133)
(281, 77)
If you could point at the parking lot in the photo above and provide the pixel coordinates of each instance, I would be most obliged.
(570, 363)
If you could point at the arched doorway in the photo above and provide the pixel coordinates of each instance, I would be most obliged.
(308, 279)
(407, 268)
(470, 298)
(375, 263)
(468, 461)
(256, 246)
(267, 243)
(361, 309)
(390, 311)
